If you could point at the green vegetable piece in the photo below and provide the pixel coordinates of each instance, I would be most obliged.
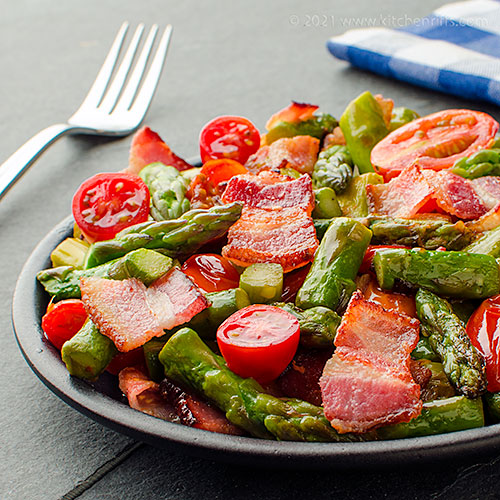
(326, 204)
(363, 125)
(353, 200)
(440, 416)
(438, 387)
(190, 173)
(189, 362)
(145, 265)
(262, 282)
(318, 325)
(222, 305)
(151, 351)
(428, 233)
(453, 274)
(401, 116)
(492, 400)
(484, 162)
(424, 350)
(488, 243)
(321, 225)
(167, 188)
(176, 238)
(88, 352)
(330, 281)
(317, 126)
(333, 169)
(70, 252)
(462, 363)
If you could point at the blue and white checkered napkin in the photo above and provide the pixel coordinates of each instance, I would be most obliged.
(455, 50)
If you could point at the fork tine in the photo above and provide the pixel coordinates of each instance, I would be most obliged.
(99, 86)
(135, 79)
(145, 96)
(116, 86)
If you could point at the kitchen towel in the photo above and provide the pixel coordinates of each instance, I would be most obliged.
(455, 50)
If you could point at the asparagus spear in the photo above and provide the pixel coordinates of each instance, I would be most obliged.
(492, 400)
(454, 274)
(326, 205)
(462, 363)
(177, 237)
(484, 162)
(188, 361)
(321, 225)
(353, 200)
(167, 188)
(429, 233)
(439, 416)
(488, 243)
(333, 169)
(330, 281)
(401, 116)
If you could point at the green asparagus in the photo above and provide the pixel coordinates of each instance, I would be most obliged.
(401, 116)
(177, 237)
(188, 361)
(492, 400)
(333, 169)
(321, 225)
(326, 205)
(462, 363)
(484, 162)
(167, 188)
(488, 243)
(438, 386)
(353, 200)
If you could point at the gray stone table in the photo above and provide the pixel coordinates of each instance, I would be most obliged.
(226, 57)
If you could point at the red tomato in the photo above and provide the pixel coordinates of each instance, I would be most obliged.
(122, 360)
(435, 141)
(483, 329)
(62, 320)
(107, 203)
(292, 282)
(390, 301)
(369, 254)
(259, 341)
(211, 272)
(217, 171)
(232, 137)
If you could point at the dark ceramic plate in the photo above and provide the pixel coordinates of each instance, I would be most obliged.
(103, 402)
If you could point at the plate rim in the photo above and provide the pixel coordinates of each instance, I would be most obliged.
(45, 362)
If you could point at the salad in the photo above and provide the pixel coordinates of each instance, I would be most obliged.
(327, 280)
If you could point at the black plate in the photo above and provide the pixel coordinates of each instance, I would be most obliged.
(103, 403)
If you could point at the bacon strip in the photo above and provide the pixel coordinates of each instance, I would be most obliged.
(367, 383)
(144, 395)
(284, 235)
(488, 189)
(268, 190)
(294, 112)
(130, 314)
(299, 152)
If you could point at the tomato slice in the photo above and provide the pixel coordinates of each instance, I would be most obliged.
(259, 341)
(232, 137)
(435, 141)
(109, 202)
(211, 272)
(217, 171)
(483, 329)
(62, 320)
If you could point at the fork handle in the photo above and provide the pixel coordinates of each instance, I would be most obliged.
(18, 163)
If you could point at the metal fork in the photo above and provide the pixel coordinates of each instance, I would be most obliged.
(114, 106)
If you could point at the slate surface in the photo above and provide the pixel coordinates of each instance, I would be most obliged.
(226, 57)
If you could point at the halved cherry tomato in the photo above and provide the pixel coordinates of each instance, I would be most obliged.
(222, 170)
(232, 137)
(122, 360)
(369, 254)
(109, 202)
(435, 141)
(211, 272)
(292, 281)
(259, 341)
(483, 329)
(62, 320)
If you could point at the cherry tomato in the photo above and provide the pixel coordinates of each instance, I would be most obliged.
(232, 137)
(62, 320)
(292, 281)
(107, 203)
(483, 329)
(211, 272)
(369, 254)
(391, 301)
(218, 171)
(259, 341)
(122, 360)
(435, 141)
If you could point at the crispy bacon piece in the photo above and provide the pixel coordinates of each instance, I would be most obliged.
(295, 112)
(457, 196)
(130, 314)
(299, 152)
(333, 139)
(367, 382)
(402, 196)
(270, 190)
(258, 161)
(420, 373)
(486, 222)
(148, 147)
(144, 395)
(282, 235)
(196, 412)
(488, 189)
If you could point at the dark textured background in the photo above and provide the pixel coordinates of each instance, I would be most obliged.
(246, 58)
